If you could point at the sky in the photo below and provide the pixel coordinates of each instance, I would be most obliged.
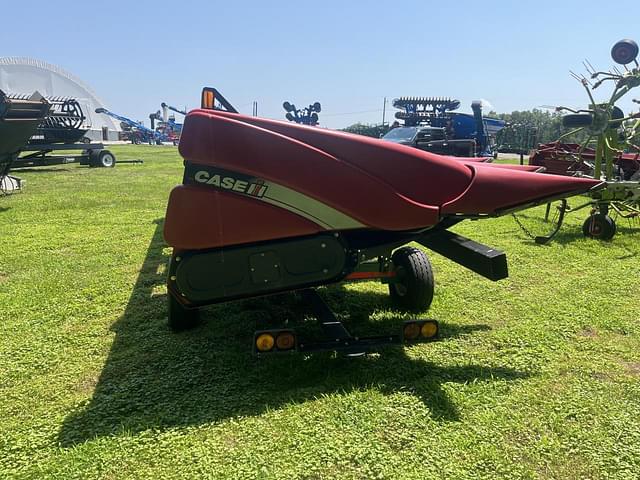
(348, 55)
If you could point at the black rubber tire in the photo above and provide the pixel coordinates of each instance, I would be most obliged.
(599, 226)
(413, 290)
(181, 318)
(575, 120)
(624, 52)
(616, 115)
(105, 159)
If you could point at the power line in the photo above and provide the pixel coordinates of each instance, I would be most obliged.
(351, 113)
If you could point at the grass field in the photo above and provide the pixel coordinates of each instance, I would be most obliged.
(536, 376)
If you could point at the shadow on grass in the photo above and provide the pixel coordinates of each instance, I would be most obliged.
(534, 225)
(38, 170)
(568, 235)
(154, 379)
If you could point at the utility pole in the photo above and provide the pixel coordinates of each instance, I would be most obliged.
(384, 108)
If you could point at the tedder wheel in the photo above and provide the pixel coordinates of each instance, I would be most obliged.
(599, 226)
(181, 318)
(413, 288)
(624, 52)
(575, 120)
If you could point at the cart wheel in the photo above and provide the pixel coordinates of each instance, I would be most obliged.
(106, 159)
(413, 288)
(599, 226)
(575, 120)
(624, 51)
(181, 318)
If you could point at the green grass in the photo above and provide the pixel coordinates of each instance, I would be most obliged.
(536, 376)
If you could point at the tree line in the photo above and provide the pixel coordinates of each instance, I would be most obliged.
(525, 129)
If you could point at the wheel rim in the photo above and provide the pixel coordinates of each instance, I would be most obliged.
(399, 286)
(107, 160)
(595, 229)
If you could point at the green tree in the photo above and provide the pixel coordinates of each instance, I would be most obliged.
(368, 130)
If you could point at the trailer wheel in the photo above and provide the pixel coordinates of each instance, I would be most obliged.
(599, 226)
(105, 159)
(181, 318)
(575, 120)
(413, 288)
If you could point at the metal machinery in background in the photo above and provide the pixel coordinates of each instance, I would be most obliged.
(304, 116)
(170, 120)
(136, 131)
(65, 123)
(33, 127)
(173, 109)
(19, 120)
(431, 124)
(166, 126)
(611, 151)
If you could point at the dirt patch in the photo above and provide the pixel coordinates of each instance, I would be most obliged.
(632, 368)
(588, 332)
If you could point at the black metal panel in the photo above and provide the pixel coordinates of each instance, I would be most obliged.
(240, 272)
(484, 260)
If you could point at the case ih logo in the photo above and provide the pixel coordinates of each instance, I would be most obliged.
(225, 180)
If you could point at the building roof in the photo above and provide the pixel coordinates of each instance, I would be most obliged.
(25, 75)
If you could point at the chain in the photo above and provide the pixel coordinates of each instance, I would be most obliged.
(523, 228)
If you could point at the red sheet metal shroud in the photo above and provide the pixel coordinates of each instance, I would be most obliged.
(434, 179)
(423, 177)
(381, 185)
(201, 218)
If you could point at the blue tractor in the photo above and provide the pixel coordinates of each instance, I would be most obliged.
(431, 124)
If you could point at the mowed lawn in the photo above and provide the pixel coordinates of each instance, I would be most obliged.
(536, 376)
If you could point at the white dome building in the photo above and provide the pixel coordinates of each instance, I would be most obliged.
(21, 75)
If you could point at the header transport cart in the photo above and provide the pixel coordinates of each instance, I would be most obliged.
(268, 206)
(53, 124)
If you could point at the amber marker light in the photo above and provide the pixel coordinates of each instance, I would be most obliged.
(208, 99)
(264, 342)
(429, 329)
(411, 331)
(285, 341)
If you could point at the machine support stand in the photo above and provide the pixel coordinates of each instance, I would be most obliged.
(331, 326)
(337, 337)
